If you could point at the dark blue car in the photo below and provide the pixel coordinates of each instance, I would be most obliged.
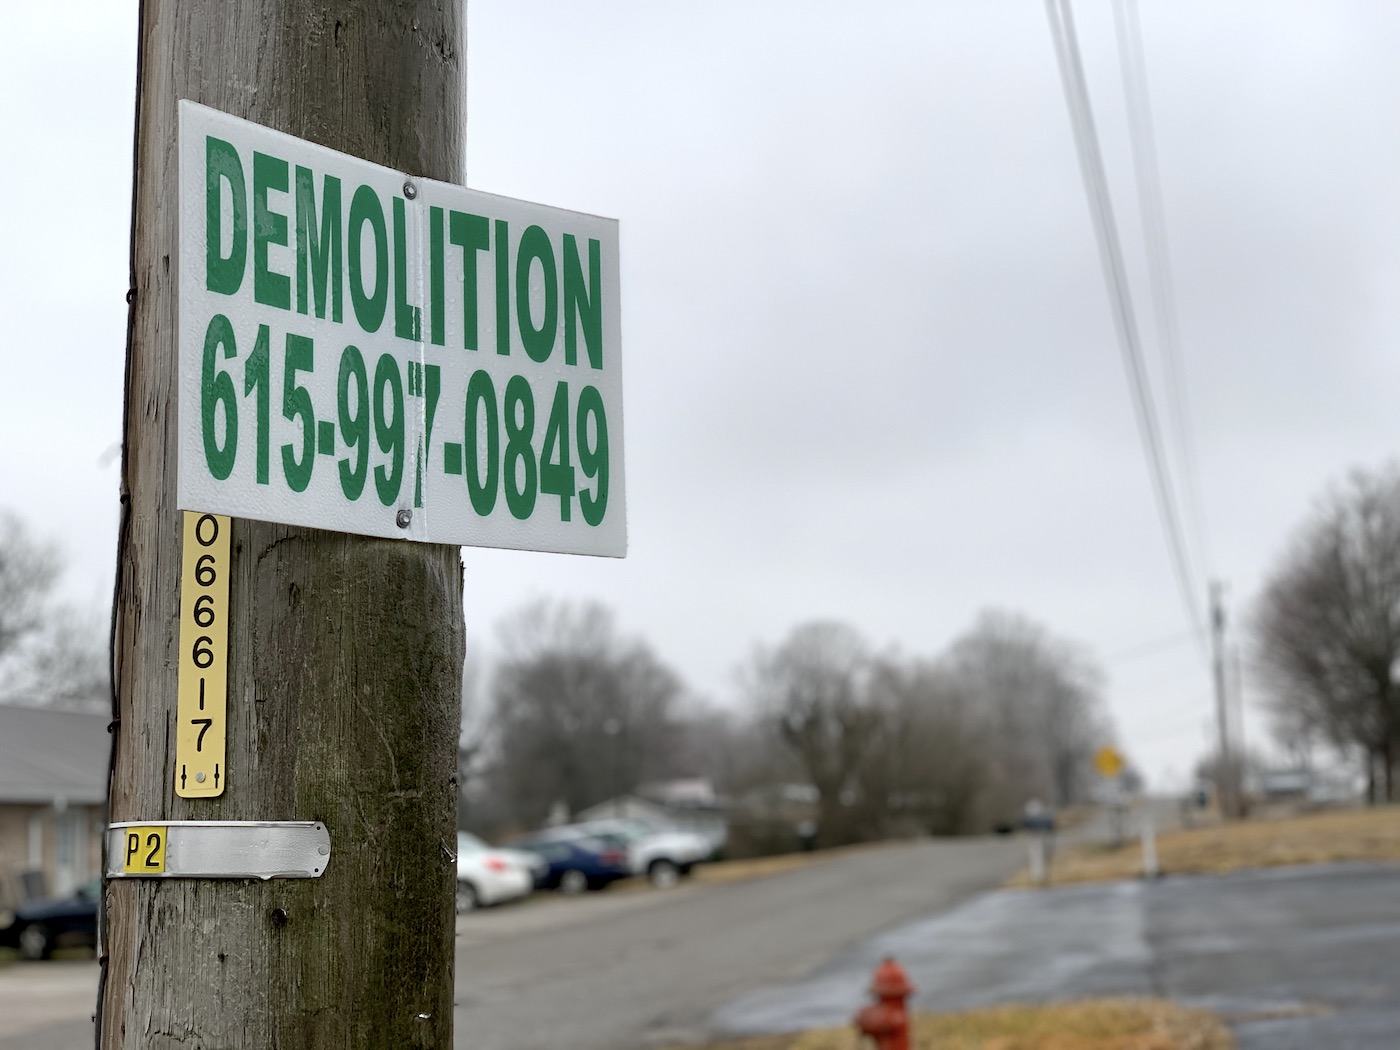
(37, 927)
(577, 861)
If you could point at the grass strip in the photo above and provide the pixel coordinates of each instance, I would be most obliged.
(1316, 838)
(1094, 1024)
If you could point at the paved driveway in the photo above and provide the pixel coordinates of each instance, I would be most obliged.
(1295, 958)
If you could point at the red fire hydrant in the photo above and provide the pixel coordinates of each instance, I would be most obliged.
(887, 1021)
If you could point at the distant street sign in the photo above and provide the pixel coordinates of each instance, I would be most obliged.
(1108, 762)
(370, 352)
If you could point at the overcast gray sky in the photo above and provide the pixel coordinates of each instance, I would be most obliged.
(870, 370)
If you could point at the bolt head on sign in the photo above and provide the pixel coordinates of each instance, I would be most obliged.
(367, 351)
(1108, 762)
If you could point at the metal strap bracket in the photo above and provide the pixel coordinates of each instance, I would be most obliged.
(218, 849)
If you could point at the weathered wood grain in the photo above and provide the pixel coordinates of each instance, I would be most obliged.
(345, 653)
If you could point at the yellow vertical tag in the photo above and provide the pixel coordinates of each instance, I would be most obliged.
(144, 852)
(202, 700)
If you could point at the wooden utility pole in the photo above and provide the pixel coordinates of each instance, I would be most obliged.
(1226, 785)
(1237, 733)
(344, 653)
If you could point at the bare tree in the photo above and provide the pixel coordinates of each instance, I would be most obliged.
(891, 746)
(1327, 627)
(1040, 698)
(28, 569)
(472, 735)
(732, 749)
(51, 653)
(64, 663)
(931, 762)
(816, 689)
(579, 714)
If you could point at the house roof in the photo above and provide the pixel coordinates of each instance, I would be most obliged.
(46, 755)
(633, 806)
(622, 805)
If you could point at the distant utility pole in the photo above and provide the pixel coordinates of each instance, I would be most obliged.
(344, 654)
(1226, 786)
(1237, 735)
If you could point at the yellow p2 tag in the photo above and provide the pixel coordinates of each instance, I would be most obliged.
(145, 850)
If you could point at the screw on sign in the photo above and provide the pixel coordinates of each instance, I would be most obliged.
(887, 1020)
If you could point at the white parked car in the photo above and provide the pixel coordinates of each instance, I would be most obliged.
(662, 854)
(486, 875)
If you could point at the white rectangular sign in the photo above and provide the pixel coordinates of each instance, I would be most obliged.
(370, 352)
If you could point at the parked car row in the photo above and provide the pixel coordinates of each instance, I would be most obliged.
(663, 855)
(576, 859)
(593, 854)
(573, 858)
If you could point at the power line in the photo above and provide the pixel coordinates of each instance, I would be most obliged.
(1150, 648)
(1120, 299)
(1142, 139)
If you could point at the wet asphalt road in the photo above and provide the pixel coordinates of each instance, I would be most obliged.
(1295, 958)
(621, 971)
(618, 970)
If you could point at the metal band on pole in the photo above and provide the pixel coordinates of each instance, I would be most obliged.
(218, 849)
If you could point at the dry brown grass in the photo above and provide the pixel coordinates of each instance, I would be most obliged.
(719, 871)
(760, 867)
(1318, 838)
(1096, 1024)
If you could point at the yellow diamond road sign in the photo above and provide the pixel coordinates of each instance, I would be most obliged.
(1108, 762)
